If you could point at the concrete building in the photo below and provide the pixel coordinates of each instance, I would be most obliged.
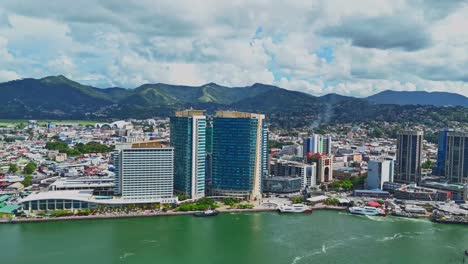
(188, 137)
(456, 163)
(240, 158)
(379, 171)
(408, 156)
(144, 171)
(324, 167)
(286, 168)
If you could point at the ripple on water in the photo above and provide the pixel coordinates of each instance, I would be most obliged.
(126, 254)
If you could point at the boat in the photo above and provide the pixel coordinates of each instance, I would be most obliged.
(466, 252)
(400, 213)
(206, 213)
(367, 210)
(294, 208)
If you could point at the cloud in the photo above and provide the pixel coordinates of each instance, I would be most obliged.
(348, 47)
(382, 32)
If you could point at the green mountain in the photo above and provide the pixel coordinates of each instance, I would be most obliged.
(57, 97)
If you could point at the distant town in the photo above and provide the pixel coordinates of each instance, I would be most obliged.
(193, 162)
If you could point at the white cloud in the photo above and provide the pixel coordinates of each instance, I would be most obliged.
(374, 44)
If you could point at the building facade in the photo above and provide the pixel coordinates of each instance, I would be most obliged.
(408, 156)
(317, 144)
(442, 152)
(324, 167)
(456, 163)
(144, 171)
(240, 155)
(286, 168)
(379, 171)
(188, 138)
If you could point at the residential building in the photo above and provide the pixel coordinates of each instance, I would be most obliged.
(379, 171)
(144, 171)
(408, 156)
(240, 157)
(188, 138)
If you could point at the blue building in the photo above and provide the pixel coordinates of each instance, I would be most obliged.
(188, 137)
(240, 155)
(442, 152)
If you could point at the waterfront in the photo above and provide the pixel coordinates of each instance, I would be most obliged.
(323, 237)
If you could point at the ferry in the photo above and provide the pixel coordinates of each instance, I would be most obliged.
(367, 210)
(206, 213)
(294, 208)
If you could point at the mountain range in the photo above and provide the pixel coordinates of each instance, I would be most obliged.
(56, 97)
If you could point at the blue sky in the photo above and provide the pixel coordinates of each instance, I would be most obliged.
(318, 47)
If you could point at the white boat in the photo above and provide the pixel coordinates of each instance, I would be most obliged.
(367, 210)
(294, 208)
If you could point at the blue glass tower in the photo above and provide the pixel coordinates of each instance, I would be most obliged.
(240, 158)
(442, 152)
(188, 137)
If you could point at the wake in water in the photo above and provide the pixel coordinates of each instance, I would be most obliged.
(125, 255)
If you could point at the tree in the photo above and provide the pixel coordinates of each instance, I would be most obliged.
(428, 164)
(30, 168)
(12, 168)
(346, 184)
(27, 181)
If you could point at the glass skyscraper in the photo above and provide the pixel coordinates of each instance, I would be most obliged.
(240, 155)
(188, 137)
(442, 152)
(408, 158)
(456, 164)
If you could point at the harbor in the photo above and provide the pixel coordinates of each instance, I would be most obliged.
(324, 236)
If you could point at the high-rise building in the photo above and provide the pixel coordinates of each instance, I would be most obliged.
(286, 168)
(442, 152)
(324, 166)
(456, 163)
(380, 171)
(240, 155)
(409, 154)
(317, 144)
(209, 156)
(144, 171)
(188, 137)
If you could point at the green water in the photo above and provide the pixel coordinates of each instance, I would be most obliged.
(323, 237)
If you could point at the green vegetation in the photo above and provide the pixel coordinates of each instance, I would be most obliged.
(285, 109)
(200, 205)
(182, 196)
(331, 201)
(245, 206)
(79, 149)
(297, 200)
(29, 168)
(230, 201)
(429, 164)
(277, 144)
(27, 181)
(12, 168)
(345, 184)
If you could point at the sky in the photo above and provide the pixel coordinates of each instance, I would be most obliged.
(354, 48)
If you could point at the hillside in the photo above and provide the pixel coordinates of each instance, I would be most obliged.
(57, 97)
(419, 98)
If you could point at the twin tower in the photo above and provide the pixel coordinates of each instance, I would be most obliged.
(223, 155)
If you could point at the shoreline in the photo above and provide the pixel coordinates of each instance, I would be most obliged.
(159, 214)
